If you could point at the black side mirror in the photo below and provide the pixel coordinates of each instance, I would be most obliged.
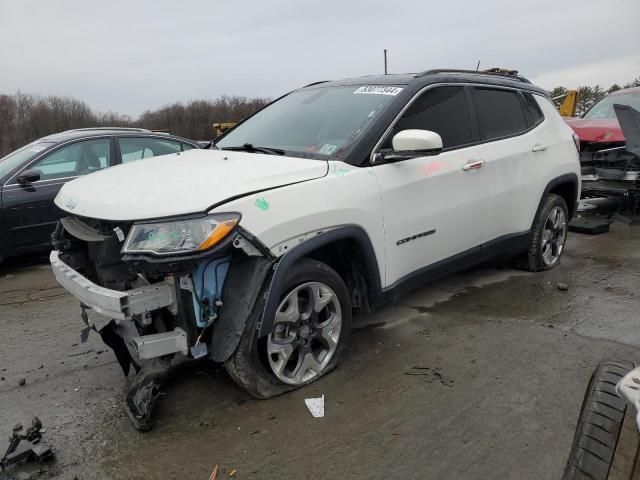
(28, 176)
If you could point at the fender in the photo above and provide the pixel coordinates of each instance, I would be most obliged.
(288, 259)
(566, 178)
(241, 290)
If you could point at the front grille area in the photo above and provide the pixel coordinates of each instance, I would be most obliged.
(92, 247)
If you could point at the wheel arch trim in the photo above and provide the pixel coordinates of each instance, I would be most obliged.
(353, 232)
(567, 178)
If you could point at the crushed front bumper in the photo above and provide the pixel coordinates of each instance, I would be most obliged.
(121, 305)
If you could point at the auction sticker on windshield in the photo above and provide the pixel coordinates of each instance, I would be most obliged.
(379, 90)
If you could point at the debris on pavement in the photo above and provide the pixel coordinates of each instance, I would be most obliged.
(433, 374)
(214, 474)
(22, 382)
(26, 446)
(563, 286)
(315, 406)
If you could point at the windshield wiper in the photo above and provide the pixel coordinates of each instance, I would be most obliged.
(247, 147)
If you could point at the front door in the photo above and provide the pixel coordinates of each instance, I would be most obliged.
(434, 206)
(29, 211)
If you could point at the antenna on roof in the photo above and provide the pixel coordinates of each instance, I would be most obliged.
(385, 61)
(478, 66)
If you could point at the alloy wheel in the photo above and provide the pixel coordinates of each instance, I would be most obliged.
(554, 234)
(305, 334)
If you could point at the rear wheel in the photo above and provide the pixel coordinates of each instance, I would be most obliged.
(309, 335)
(549, 236)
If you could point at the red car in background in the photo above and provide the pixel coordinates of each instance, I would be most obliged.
(599, 127)
(609, 168)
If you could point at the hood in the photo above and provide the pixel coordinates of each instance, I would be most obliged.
(177, 184)
(596, 130)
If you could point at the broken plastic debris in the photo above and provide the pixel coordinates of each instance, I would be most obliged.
(315, 406)
(214, 474)
(26, 446)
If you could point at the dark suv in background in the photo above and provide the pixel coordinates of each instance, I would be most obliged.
(31, 176)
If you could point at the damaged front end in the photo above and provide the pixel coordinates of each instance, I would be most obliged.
(612, 169)
(160, 289)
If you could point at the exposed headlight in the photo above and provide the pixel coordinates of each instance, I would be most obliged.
(180, 236)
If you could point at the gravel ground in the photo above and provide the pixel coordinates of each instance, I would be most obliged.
(480, 376)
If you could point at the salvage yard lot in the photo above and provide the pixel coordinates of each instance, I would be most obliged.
(480, 375)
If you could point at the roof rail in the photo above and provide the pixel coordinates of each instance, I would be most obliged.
(93, 129)
(494, 72)
(316, 83)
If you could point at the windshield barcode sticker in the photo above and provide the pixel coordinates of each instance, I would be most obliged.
(379, 90)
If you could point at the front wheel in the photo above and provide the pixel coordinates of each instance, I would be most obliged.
(309, 335)
(549, 236)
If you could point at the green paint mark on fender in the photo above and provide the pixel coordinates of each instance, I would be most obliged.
(262, 204)
(338, 171)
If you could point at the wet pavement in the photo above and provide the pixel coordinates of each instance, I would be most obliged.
(480, 376)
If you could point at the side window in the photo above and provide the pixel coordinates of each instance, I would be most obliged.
(443, 110)
(500, 112)
(535, 114)
(76, 159)
(136, 148)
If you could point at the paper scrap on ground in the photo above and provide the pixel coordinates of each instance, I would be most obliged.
(315, 406)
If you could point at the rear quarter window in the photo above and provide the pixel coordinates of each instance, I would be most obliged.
(500, 113)
(533, 109)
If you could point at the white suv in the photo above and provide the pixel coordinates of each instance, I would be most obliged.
(337, 196)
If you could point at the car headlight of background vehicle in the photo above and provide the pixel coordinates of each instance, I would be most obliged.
(180, 236)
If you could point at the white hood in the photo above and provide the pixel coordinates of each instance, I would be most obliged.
(184, 183)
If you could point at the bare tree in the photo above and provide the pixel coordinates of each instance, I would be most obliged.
(24, 117)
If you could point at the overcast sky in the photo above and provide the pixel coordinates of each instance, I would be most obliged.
(129, 56)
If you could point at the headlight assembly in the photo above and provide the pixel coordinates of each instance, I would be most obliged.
(180, 236)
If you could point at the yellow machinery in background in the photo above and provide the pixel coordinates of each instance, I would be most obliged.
(568, 107)
(220, 128)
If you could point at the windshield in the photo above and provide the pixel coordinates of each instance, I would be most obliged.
(604, 108)
(323, 123)
(20, 156)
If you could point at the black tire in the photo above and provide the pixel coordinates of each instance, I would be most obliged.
(532, 259)
(596, 443)
(249, 366)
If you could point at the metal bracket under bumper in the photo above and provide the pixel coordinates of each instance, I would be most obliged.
(113, 303)
(159, 344)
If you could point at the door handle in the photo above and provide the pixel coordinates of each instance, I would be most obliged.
(538, 147)
(473, 165)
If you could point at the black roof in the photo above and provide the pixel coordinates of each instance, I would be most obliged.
(427, 77)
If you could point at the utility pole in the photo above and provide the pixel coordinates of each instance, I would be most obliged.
(385, 61)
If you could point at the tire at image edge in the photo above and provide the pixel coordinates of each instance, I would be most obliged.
(599, 424)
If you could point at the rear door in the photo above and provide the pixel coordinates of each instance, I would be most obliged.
(510, 135)
(29, 211)
(434, 208)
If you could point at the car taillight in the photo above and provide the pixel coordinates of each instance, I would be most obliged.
(576, 141)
